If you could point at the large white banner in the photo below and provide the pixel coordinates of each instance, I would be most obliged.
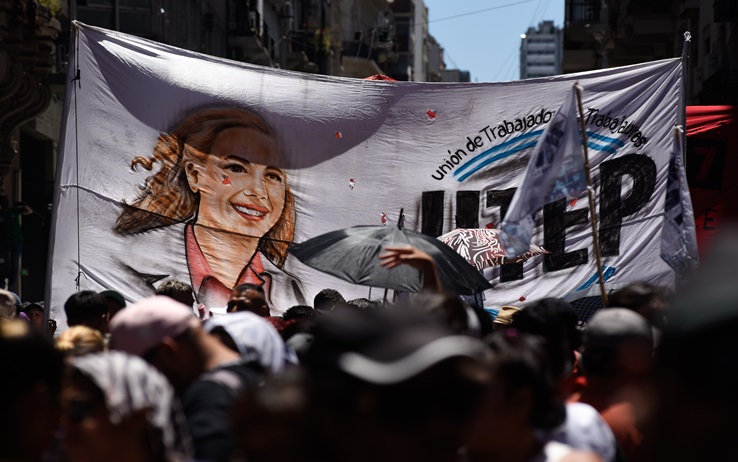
(176, 165)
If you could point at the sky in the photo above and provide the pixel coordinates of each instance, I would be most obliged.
(483, 36)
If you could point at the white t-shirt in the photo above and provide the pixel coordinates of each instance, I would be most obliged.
(553, 451)
(585, 430)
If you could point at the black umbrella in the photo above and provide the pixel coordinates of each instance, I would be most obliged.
(352, 254)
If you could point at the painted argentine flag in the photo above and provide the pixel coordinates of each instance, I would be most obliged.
(555, 171)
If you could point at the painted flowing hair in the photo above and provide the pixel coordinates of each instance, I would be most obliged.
(165, 198)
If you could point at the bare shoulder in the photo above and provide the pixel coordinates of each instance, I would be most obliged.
(581, 456)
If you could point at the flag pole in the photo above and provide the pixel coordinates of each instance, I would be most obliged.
(685, 90)
(590, 195)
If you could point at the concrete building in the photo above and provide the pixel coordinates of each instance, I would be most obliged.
(540, 51)
(368, 38)
(436, 62)
(600, 34)
(410, 43)
(455, 75)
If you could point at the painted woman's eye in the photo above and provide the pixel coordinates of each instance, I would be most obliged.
(235, 168)
(274, 176)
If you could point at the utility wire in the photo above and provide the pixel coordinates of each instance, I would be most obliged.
(483, 10)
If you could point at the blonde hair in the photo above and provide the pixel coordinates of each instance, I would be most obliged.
(166, 197)
(12, 328)
(80, 340)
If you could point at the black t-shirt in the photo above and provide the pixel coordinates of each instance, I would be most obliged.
(208, 404)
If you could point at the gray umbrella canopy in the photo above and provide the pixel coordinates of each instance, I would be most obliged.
(352, 254)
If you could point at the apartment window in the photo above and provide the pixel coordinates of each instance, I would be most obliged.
(583, 10)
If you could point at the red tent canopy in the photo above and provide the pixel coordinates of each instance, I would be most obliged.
(712, 168)
(703, 119)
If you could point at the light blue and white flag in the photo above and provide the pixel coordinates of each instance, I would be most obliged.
(555, 171)
(678, 237)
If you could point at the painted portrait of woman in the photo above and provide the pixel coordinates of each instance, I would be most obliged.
(217, 174)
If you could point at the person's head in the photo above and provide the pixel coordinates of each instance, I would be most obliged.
(648, 300)
(696, 370)
(272, 422)
(299, 312)
(556, 321)
(326, 299)
(8, 305)
(115, 300)
(451, 310)
(221, 166)
(248, 297)
(251, 336)
(375, 378)
(29, 392)
(361, 304)
(177, 290)
(35, 313)
(303, 316)
(166, 334)
(116, 407)
(617, 346)
(79, 341)
(87, 308)
(521, 396)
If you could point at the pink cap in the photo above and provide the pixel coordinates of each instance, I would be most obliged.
(140, 327)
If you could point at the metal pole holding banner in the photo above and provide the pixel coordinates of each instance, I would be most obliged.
(590, 195)
(685, 82)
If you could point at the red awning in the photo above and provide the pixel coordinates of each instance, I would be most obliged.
(702, 119)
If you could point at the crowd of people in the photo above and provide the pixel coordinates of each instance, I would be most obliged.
(650, 377)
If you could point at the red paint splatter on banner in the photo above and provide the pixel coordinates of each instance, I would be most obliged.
(227, 180)
(339, 135)
(352, 183)
(383, 218)
(573, 202)
(521, 299)
(431, 114)
(490, 226)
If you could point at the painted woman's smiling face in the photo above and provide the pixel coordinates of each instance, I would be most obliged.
(239, 191)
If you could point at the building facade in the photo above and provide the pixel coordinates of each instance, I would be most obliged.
(600, 34)
(541, 51)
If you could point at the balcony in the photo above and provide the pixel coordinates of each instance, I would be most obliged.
(582, 11)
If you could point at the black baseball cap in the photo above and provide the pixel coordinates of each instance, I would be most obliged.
(386, 347)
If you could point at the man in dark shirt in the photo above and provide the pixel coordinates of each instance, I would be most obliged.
(207, 375)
